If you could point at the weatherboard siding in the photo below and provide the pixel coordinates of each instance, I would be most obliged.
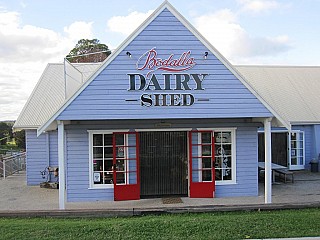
(42, 152)
(78, 169)
(77, 152)
(105, 97)
(247, 165)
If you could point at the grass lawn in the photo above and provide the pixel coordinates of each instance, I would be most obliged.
(227, 225)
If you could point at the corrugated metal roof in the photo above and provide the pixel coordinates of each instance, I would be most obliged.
(293, 92)
(49, 94)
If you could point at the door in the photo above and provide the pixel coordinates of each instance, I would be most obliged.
(201, 164)
(163, 163)
(297, 159)
(279, 148)
(126, 166)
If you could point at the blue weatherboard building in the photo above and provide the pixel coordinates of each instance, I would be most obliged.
(166, 114)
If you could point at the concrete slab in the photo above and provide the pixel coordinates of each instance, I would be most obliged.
(16, 196)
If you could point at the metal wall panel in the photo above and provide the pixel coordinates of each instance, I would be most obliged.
(163, 161)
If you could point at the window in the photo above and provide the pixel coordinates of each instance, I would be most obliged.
(202, 156)
(297, 150)
(101, 159)
(224, 156)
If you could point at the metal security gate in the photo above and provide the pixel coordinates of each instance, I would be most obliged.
(163, 163)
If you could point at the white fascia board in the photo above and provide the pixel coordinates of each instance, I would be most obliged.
(304, 123)
(19, 128)
(113, 55)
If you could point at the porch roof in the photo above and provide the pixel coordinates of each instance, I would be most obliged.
(292, 91)
(52, 91)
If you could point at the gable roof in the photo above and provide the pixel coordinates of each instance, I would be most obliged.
(292, 91)
(168, 6)
(50, 93)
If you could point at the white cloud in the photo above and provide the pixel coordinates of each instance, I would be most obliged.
(127, 24)
(25, 50)
(257, 6)
(224, 33)
(79, 30)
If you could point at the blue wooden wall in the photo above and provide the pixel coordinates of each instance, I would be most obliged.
(78, 156)
(42, 152)
(105, 97)
(317, 140)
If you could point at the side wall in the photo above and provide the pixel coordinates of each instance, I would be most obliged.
(77, 150)
(42, 152)
(317, 139)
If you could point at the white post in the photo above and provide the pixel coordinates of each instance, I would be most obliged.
(4, 168)
(61, 160)
(267, 156)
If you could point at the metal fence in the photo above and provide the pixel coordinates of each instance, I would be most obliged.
(12, 164)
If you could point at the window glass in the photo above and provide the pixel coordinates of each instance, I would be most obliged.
(206, 150)
(97, 152)
(108, 152)
(102, 158)
(108, 140)
(223, 155)
(206, 175)
(97, 140)
(119, 140)
(206, 137)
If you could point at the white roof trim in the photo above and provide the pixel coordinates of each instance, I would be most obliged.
(304, 123)
(126, 42)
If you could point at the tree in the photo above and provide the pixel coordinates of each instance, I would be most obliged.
(84, 49)
(20, 139)
(5, 133)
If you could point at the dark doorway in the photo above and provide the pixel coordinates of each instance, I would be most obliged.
(279, 148)
(163, 164)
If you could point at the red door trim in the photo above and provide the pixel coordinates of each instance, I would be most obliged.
(201, 189)
(126, 191)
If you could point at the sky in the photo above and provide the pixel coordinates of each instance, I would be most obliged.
(34, 33)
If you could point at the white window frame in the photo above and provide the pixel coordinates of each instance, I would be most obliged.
(90, 135)
(294, 167)
(233, 154)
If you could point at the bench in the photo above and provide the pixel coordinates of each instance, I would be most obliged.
(285, 173)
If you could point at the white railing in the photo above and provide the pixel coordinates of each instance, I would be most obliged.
(12, 164)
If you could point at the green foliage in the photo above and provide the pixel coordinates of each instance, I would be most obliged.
(227, 225)
(85, 47)
(20, 139)
(5, 132)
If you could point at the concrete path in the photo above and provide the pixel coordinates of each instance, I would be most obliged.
(15, 195)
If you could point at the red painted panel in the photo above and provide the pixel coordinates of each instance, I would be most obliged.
(202, 190)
